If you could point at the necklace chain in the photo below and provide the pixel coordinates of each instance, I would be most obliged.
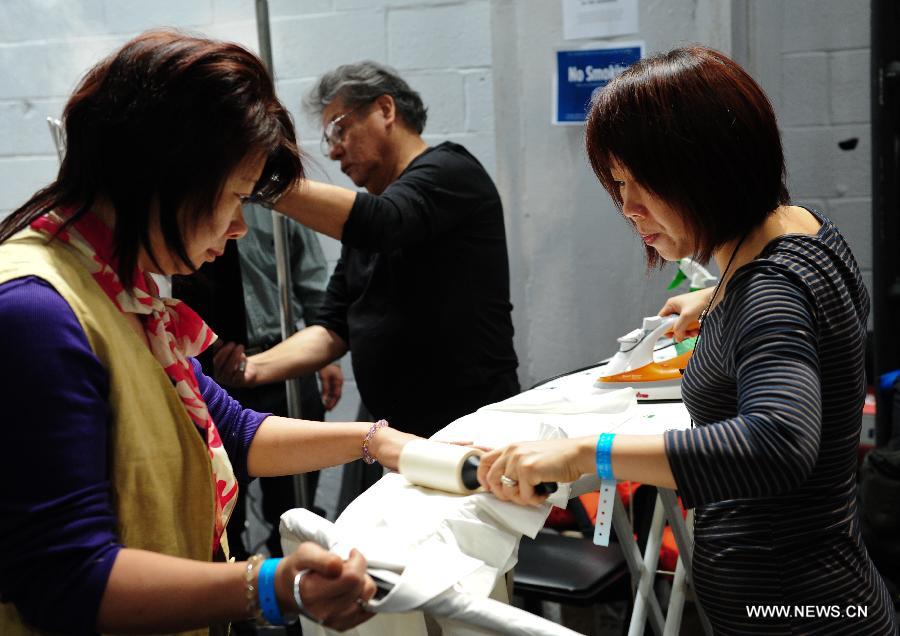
(715, 293)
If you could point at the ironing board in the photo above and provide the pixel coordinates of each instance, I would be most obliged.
(445, 555)
(567, 404)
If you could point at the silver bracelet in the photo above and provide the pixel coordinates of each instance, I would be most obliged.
(301, 609)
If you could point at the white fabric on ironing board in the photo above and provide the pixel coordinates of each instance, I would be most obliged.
(569, 395)
(447, 553)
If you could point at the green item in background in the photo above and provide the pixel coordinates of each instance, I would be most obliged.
(680, 277)
(696, 275)
(685, 345)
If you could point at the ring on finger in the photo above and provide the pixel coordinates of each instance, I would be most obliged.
(301, 608)
(509, 481)
(242, 366)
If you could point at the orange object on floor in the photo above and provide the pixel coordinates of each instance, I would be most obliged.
(668, 551)
(564, 519)
(590, 499)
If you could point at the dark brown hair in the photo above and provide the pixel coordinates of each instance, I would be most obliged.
(166, 120)
(693, 128)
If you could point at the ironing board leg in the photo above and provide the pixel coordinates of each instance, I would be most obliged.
(676, 601)
(643, 569)
(685, 543)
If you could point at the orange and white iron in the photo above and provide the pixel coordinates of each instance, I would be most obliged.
(634, 364)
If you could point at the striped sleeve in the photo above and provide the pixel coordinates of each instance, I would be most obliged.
(771, 445)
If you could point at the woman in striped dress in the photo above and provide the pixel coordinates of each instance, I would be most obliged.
(687, 145)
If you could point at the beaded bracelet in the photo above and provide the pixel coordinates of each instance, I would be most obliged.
(250, 587)
(268, 602)
(367, 457)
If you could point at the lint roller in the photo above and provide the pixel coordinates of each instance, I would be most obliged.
(448, 467)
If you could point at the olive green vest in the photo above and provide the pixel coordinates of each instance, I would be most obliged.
(159, 466)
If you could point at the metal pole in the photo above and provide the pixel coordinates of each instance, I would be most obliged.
(639, 572)
(885, 77)
(282, 256)
(684, 539)
(645, 596)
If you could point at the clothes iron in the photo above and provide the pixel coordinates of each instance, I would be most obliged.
(634, 364)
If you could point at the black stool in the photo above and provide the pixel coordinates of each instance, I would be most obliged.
(572, 570)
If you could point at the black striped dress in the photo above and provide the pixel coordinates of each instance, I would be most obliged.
(776, 388)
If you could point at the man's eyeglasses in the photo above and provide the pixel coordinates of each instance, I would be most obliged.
(334, 131)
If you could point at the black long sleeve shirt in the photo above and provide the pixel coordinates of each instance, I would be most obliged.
(421, 294)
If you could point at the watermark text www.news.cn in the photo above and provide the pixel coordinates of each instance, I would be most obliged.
(807, 611)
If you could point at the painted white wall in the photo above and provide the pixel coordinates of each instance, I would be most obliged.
(579, 279)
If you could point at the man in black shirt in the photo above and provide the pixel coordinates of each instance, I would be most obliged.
(420, 295)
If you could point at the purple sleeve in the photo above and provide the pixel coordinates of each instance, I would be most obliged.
(237, 425)
(58, 536)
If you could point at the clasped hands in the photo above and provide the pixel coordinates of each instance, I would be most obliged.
(333, 591)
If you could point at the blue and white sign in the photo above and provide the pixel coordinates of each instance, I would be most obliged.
(579, 73)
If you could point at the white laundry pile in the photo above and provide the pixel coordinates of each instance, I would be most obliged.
(445, 554)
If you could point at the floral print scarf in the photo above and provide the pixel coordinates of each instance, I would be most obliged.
(174, 330)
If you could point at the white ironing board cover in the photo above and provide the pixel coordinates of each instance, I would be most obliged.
(447, 554)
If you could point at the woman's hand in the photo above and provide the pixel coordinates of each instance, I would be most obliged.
(689, 307)
(231, 367)
(530, 463)
(386, 444)
(333, 590)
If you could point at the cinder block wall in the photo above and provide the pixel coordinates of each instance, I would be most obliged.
(812, 58)
(835, 54)
(443, 49)
(45, 48)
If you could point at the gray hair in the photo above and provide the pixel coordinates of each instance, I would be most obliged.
(363, 82)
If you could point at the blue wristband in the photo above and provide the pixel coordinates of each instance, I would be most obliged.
(265, 585)
(604, 456)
